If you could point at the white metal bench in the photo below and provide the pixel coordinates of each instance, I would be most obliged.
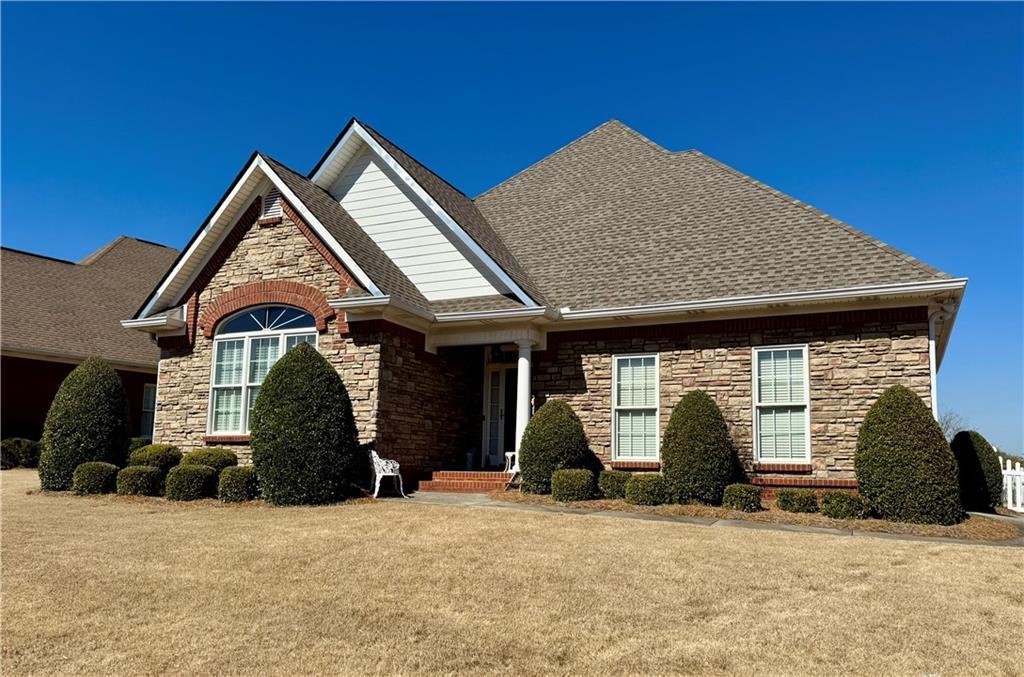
(382, 468)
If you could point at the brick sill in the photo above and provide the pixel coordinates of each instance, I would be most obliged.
(635, 465)
(269, 221)
(790, 468)
(808, 482)
(226, 439)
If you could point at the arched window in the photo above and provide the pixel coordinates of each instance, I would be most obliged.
(245, 347)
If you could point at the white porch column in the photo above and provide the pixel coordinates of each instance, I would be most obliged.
(523, 389)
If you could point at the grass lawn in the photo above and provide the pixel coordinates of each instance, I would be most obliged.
(115, 585)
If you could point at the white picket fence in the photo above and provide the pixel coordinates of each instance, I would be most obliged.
(1013, 485)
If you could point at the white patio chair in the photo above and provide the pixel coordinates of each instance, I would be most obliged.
(382, 468)
(511, 461)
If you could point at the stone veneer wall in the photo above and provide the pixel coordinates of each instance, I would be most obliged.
(853, 357)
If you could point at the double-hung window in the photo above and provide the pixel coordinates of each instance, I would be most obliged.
(245, 347)
(635, 407)
(781, 405)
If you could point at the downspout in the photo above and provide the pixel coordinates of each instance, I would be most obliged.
(931, 364)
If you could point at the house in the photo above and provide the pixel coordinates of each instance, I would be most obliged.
(613, 274)
(58, 313)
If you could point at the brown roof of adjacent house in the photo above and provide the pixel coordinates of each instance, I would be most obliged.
(73, 310)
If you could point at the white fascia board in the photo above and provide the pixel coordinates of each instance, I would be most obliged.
(504, 314)
(359, 302)
(148, 323)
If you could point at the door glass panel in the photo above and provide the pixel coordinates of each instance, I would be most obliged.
(494, 415)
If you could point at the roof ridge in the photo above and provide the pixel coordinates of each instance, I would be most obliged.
(95, 256)
(828, 218)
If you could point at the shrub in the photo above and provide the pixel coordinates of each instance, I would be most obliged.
(9, 457)
(553, 440)
(572, 485)
(137, 443)
(94, 477)
(237, 483)
(163, 456)
(905, 468)
(647, 489)
(190, 482)
(797, 500)
(981, 478)
(842, 505)
(88, 421)
(304, 445)
(140, 480)
(612, 483)
(23, 452)
(213, 457)
(697, 456)
(745, 497)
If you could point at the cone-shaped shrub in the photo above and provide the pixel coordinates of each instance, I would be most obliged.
(981, 478)
(304, 445)
(697, 455)
(905, 468)
(553, 440)
(88, 421)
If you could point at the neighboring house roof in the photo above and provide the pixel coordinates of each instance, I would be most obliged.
(62, 309)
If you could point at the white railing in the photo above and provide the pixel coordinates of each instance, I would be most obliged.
(1013, 484)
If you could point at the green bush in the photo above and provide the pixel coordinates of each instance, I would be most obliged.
(163, 456)
(612, 483)
(237, 483)
(88, 421)
(981, 478)
(647, 489)
(842, 505)
(745, 497)
(304, 445)
(140, 480)
(190, 482)
(572, 485)
(94, 477)
(553, 440)
(697, 455)
(137, 443)
(797, 500)
(9, 457)
(905, 468)
(20, 451)
(213, 457)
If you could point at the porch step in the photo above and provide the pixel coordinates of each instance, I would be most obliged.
(465, 481)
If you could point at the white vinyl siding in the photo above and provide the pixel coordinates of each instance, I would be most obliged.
(635, 407)
(148, 410)
(781, 404)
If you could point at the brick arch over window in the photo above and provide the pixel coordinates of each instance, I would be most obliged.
(280, 292)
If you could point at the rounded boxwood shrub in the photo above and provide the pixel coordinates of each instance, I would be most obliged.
(237, 483)
(980, 477)
(842, 505)
(163, 456)
(94, 477)
(905, 468)
(797, 500)
(697, 455)
(214, 457)
(88, 421)
(572, 485)
(553, 440)
(647, 489)
(22, 452)
(303, 438)
(137, 443)
(744, 497)
(612, 483)
(190, 482)
(140, 480)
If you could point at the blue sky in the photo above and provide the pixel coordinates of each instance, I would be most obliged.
(904, 120)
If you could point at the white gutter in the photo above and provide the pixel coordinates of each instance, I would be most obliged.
(359, 302)
(504, 314)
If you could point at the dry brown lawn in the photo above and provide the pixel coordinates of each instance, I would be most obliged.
(140, 586)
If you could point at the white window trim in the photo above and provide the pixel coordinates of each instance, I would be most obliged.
(143, 410)
(616, 408)
(806, 403)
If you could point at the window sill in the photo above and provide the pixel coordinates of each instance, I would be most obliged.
(226, 439)
(635, 465)
(792, 468)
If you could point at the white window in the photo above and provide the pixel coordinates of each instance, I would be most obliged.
(148, 410)
(245, 347)
(635, 407)
(782, 426)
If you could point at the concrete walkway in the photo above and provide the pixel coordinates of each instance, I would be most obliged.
(484, 501)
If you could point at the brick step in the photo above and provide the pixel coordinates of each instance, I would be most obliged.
(455, 487)
(479, 475)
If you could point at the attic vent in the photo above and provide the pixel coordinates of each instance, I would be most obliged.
(272, 205)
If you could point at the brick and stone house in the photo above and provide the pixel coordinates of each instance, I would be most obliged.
(613, 274)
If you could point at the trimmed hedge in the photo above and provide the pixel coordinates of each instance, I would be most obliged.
(19, 451)
(137, 443)
(905, 468)
(572, 485)
(553, 440)
(163, 456)
(979, 474)
(237, 483)
(612, 483)
(217, 458)
(647, 489)
(88, 421)
(9, 457)
(140, 480)
(304, 445)
(190, 482)
(797, 500)
(745, 497)
(697, 455)
(842, 505)
(94, 477)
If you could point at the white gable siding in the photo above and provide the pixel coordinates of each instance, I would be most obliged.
(405, 233)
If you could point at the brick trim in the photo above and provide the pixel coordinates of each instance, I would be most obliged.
(347, 281)
(296, 294)
(226, 439)
(635, 465)
(791, 468)
(808, 482)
